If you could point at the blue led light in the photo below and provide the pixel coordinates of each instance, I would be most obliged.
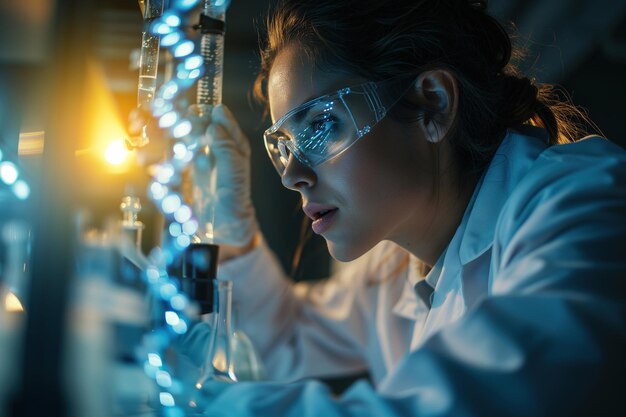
(179, 302)
(152, 274)
(175, 229)
(155, 360)
(171, 39)
(169, 90)
(183, 214)
(180, 151)
(195, 74)
(183, 48)
(180, 327)
(182, 73)
(158, 190)
(193, 62)
(159, 27)
(190, 227)
(168, 119)
(166, 399)
(171, 19)
(182, 128)
(21, 189)
(184, 4)
(8, 172)
(164, 379)
(171, 318)
(183, 241)
(171, 203)
(164, 175)
(168, 290)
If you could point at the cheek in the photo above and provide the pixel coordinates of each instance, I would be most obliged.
(383, 180)
(389, 169)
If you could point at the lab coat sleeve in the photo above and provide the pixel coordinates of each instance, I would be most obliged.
(306, 329)
(550, 340)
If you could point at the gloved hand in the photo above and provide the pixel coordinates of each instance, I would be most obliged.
(235, 220)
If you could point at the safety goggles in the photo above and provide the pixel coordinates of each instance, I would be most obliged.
(327, 126)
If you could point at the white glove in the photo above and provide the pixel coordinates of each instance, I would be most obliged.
(235, 220)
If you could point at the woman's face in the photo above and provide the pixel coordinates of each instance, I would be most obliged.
(379, 189)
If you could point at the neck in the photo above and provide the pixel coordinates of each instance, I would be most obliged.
(429, 243)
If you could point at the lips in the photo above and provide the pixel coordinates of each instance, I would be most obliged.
(322, 216)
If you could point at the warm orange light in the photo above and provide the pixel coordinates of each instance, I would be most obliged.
(116, 153)
(12, 304)
(106, 129)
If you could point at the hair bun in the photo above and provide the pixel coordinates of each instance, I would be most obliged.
(480, 5)
(518, 101)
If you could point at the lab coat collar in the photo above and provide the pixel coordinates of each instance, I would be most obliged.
(475, 235)
(512, 160)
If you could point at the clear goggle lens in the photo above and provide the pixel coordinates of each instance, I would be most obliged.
(327, 126)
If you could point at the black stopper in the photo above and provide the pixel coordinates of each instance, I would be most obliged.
(199, 271)
(210, 24)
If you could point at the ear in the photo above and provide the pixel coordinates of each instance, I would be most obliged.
(437, 92)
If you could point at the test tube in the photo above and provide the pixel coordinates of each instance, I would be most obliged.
(209, 94)
(148, 63)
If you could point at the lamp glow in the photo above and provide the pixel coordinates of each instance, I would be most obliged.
(116, 153)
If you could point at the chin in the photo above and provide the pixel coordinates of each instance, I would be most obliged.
(346, 252)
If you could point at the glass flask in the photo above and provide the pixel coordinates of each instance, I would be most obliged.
(222, 353)
(246, 361)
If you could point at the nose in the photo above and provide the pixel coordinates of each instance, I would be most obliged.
(297, 175)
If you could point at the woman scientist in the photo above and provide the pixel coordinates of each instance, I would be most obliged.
(484, 238)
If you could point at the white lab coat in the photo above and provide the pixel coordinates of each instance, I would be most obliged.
(528, 314)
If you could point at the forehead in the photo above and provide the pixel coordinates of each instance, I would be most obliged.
(294, 80)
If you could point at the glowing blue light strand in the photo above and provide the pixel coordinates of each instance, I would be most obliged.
(183, 225)
(10, 176)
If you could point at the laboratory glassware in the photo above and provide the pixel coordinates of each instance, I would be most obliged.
(148, 64)
(209, 94)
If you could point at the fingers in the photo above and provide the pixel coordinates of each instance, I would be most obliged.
(223, 117)
(224, 131)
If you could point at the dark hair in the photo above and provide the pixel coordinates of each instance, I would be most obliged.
(377, 39)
